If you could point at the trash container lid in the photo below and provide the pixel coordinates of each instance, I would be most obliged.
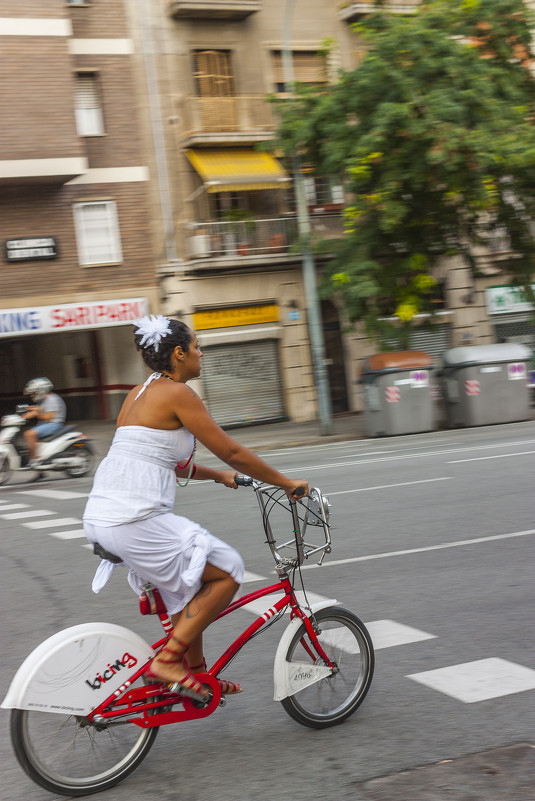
(393, 361)
(486, 354)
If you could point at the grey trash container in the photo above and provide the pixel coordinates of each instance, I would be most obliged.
(486, 384)
(398, 393)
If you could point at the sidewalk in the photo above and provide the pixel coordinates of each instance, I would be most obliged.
(258, 437)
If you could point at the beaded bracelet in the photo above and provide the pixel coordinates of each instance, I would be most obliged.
(192, 468)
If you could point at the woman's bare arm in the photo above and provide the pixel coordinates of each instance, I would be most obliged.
(193, 414)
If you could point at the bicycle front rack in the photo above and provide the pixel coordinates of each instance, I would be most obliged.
(310, 517)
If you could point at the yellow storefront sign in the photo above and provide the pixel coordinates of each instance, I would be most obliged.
(237, 315)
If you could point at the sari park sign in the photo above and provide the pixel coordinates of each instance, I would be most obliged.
(71, 316)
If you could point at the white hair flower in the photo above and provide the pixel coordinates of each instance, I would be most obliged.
(152, 328)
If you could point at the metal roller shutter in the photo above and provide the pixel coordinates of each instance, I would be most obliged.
(433, 341)
(242, 382)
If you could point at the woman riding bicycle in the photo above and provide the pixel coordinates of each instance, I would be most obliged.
(129, 511)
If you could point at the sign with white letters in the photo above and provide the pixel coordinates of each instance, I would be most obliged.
(71, 316)
(30, 248)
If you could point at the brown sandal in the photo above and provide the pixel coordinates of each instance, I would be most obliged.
(227, 687)
(188, 684)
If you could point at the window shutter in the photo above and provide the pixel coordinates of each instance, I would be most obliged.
(87, 91)
(97, 233)
(88, 111)
(308, 67)
(212, 70)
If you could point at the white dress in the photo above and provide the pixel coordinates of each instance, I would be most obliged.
(129, 513)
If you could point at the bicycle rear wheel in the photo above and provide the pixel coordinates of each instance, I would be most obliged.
(347, 643)
(68, 755)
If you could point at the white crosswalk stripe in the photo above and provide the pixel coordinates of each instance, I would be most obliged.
(26, 514)
(388, 633)
(14, 506)
(61, 495)
(479, 680)
(76, 533)
(62, 521)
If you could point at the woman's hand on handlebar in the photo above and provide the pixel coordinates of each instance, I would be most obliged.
(227, 478)
(297, 489)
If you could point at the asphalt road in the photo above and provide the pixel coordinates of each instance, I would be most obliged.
(433, 539)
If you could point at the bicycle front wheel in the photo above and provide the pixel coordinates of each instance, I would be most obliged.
(348, 645)
(69, 755)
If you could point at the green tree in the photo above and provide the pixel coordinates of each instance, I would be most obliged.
(434, 134)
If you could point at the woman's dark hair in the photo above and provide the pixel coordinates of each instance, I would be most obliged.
(160, 359)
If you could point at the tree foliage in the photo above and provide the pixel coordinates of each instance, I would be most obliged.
(434, 134)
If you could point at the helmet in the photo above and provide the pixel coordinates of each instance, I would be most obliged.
(37, 388)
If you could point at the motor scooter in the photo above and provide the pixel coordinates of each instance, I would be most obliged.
(67, 450)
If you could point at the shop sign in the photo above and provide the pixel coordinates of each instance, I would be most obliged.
(31, 248)
(71, 316)
(507, 299)
(237, 315)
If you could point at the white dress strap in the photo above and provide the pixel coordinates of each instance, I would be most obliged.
(151, 377)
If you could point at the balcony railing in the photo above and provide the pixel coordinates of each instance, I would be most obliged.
(239, 118)
(351, 12)
(214, 240)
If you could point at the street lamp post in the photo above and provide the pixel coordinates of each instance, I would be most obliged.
(309, 272)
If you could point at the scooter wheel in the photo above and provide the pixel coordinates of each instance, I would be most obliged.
(84, 460)
(5, 470)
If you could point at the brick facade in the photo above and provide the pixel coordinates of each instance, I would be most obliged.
(46, 167)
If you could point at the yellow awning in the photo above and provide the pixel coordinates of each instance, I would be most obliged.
(235, 169)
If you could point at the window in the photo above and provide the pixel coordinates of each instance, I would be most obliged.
(215, 90)
(97, 232)
(319, 191)
(88, 106)
(309, 67)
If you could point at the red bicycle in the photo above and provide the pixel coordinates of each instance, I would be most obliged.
(84, 715)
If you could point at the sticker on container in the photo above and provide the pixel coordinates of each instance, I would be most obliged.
(372, 398)
(495, 368)
(516, 370)
(434, 391)
(420, 378)
(392, 394)
(471, 387)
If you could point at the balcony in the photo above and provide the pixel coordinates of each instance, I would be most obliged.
(352, 12)
(264, 239)
(42, 171)
(237, 120)
(234, 10)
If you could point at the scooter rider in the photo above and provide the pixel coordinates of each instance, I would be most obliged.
(48, 409)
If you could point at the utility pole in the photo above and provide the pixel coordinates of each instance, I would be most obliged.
(315, 327)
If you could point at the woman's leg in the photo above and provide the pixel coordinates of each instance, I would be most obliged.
(216, 593)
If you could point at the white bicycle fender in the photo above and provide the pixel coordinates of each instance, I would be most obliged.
(288, 678)
(78, 668)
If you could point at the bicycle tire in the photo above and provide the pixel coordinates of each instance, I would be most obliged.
(347, 642)
(60, 752)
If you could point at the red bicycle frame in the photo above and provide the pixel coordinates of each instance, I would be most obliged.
(136, 703)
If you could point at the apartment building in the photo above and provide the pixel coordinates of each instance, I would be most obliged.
(239, 277)
(77, 262)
